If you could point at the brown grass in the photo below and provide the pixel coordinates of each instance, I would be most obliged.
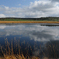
(9, 54)
(20, 57)
(29, 21)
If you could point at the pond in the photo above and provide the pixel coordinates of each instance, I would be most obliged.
(30, 39)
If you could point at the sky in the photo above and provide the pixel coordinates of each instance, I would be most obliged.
(29, 8)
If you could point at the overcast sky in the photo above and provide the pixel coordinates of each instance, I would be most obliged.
(29, 8)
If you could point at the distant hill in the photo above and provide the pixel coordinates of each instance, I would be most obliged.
(30, 19)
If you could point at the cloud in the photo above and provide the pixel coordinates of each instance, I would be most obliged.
(2, 15)
(40, 8)
(55, 0)
(40, 5)
(19, 4)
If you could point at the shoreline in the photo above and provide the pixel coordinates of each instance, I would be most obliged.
(1, 22)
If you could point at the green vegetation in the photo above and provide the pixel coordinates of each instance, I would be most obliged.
(31, 19)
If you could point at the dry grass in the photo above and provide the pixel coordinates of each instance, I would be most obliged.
(20, 57)
(9, 54)
(29, 22)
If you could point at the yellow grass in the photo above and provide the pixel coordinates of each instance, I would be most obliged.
(10, 53)
(29, 21)
(20, 57)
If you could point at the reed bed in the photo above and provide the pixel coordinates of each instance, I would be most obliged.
(29, 21)
(8, 52)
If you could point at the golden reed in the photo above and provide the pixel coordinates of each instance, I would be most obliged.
(29, 21)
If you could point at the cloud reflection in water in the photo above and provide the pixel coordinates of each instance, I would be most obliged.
(36, 31)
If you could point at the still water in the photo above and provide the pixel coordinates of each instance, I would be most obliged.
(33, 39)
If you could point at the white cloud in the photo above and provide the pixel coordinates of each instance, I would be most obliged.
(40, 8)
(2, 15)
(7, 8)
(19, 4)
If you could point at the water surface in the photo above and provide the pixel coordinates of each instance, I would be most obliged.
(32, 36)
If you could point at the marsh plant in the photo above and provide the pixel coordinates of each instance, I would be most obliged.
(15, 50)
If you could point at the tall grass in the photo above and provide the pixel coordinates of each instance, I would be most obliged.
(8, 52)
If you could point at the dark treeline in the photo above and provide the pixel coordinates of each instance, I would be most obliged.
(36, 19)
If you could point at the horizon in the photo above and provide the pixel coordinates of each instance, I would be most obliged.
(32, 17)
(29, 18)
(29, 8)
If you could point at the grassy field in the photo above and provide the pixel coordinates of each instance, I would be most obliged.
(30, 20)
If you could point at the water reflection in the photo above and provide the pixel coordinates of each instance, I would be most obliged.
(36, 32)
(32, 35)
